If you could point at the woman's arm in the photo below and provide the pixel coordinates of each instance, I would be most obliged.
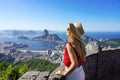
(73, 59)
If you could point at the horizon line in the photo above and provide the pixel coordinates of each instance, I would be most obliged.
(51, 30)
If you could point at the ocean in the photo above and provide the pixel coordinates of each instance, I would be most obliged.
(41, 45)
(103, 35)
(96, 35)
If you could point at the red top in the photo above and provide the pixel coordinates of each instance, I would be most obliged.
(67, 61)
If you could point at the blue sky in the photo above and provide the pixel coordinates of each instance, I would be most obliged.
(95, 15)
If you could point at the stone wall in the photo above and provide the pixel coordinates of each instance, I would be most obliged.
(37, 75)
(104, 65)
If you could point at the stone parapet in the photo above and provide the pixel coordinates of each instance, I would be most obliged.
(105, 65)
(37, 75)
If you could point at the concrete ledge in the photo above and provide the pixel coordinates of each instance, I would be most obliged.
(30, 75)
(53, 76)
(37, 75)
(43, 76)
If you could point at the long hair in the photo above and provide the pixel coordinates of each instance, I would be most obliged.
(79, 47)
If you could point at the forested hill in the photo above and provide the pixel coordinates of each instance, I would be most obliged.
(16, 70)
(37, 64)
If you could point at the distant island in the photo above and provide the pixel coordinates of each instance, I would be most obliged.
(45, 36)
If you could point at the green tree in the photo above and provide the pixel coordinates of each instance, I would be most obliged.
(4, 65)
(12, 73)
(38, 64)
(23, 69)
(2, 74)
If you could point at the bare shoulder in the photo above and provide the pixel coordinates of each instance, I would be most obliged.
(68, 46)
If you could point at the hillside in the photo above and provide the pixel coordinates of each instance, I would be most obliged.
(87, 39)
(113, 43)
(18, 69)
(8, 58)
(38, 64)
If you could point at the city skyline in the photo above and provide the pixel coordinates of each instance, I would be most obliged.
(95, 15)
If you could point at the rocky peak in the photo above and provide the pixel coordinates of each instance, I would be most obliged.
(45, 33)
(48, 37)
(54, 37)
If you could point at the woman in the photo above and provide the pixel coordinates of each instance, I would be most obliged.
(74, 54)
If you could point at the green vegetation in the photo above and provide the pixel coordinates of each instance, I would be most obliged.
(11, 72)
(14, 71)
(2, 74)
(23, 69)
(38, 64)
(4, 65)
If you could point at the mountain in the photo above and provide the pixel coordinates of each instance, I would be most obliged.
(22, 37)
(87, 39)
(8, 58)
(45, 36)
(45, 33)
(111, 42)
(17, 32)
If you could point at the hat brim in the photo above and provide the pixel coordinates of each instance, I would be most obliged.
(80, 28)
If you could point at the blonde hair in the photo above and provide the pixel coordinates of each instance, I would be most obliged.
(79, 47)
